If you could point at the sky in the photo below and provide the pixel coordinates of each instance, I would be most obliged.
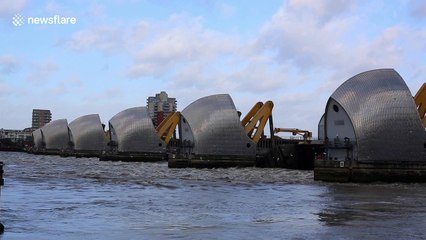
(120, 52)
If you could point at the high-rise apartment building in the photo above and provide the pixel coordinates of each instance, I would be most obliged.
(40, 118)
(160, 106)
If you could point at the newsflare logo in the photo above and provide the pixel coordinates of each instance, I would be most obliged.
(19, 20)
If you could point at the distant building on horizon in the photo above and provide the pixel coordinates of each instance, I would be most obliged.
(40, 118)
(160, 106)
(14, 136)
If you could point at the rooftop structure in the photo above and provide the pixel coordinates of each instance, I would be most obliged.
(15, 135)
(160, 107)
(40, 118)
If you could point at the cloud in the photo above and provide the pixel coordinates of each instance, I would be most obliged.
(41, 72)
(111, 39)
(179, 42)
(417, 8)
(8, 8)
(8, 64)
(74, 80)
(6, 89)
(53, 7)
(105, 37)
(72, 84)
(139, 32)
(199, 77)
(299, 34)
(226, 10)
(322, 10)
(300, 39)
(321, 47)
(182, 52)
(315, 37)
(95, 10)
(259, 75)
(297, 59)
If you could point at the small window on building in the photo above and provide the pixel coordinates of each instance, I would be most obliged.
(335, 108)
(339, 122)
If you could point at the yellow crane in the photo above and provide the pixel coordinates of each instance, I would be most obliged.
(255, 120)
(420, 100)
(307, 135)
(166, 128)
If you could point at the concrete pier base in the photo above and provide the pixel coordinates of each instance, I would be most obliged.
(345, 171)
(86, 154)
(54, 152)
(206, 161)
(134, 157)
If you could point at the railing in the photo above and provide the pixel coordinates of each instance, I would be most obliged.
(267, 142)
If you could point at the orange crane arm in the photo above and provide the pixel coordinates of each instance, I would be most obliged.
(305, 133)
(251, 113)
(420, 100)
(255, 120)
(166, 128)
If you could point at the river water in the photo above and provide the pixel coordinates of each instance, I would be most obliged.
(49, 197)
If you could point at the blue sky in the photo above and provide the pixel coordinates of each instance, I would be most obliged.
(119, 52)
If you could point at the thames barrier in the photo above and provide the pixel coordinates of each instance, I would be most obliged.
(373, 129)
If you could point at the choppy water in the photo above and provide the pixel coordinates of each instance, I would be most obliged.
(48, 197)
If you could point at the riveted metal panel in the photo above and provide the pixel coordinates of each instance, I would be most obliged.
(321, 126)
(134, 131)
(56, 135)
(384, 116)
(88, 134)
(38, 139)
(214, 127)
